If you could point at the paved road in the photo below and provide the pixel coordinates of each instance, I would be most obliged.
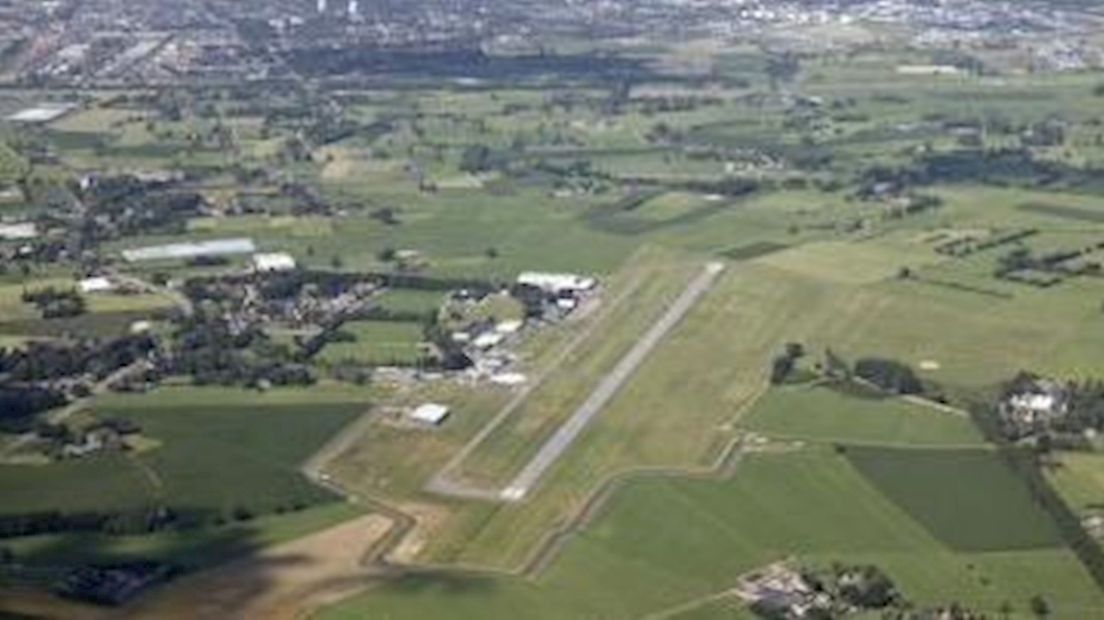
(564, 436)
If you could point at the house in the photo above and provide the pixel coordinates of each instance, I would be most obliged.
(1033, 402)
(97, 284)
(273, 262)
(429, 414)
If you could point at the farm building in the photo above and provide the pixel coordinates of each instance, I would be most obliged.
(276, 261)
(98, 284)
(43, 113)
(487, 340)
(509, 327)
(430, 414)
(557, 283)
(18, 232)
(216, 247)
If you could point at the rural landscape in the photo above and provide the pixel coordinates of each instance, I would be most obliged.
(481, 309)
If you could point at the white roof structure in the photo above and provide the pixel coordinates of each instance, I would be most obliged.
(509, 327)
(557, 282)
(508, 378)
(487, 340)
(43, 113)
(18, 232)
(430, 413)
(215, 247)
(98, 284)
(276, 261)
(1039, 403)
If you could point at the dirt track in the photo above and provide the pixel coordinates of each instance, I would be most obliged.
(284, 582)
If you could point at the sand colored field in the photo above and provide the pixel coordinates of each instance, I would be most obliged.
(281, 583)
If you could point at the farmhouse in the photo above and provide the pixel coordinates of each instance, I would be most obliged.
(429, 414)
(1036, 402)
(272, 262)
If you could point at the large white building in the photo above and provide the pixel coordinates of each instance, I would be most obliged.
(557, 283)
(431, 414)
(275, 261)
(97, 284)
(215, 247)
(18, 232)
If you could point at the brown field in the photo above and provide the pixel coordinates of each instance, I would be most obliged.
(281, 583)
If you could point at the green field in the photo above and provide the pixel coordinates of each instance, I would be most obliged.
(1079, 477)
(211, 459)
(830, 415)
(384, 343)
(663, 542)
(963, 497)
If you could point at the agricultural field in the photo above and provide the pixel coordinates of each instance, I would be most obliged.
(692, 539)
(830, 414)
(247, 481)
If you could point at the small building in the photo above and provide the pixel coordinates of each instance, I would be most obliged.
(509, 327)
(273, 262)
(557, 283)
(20, 231)
(98, 284)
(487, 340)
(430, 414)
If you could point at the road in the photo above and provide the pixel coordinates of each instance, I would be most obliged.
(180, 299)
(564, 436)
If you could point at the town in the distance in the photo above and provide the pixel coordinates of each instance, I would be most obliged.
(557, 310)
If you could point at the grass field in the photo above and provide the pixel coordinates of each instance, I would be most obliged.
(191, 549)
(410, 300)
(942, 490)
(824, 414)
(384, 343)
(664, 542)
(224, 449)
(1079, 478)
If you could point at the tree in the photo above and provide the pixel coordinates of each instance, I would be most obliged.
(492, 252)
(476, 158)
(1039, 606)
(889, 375)
(835, 367)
